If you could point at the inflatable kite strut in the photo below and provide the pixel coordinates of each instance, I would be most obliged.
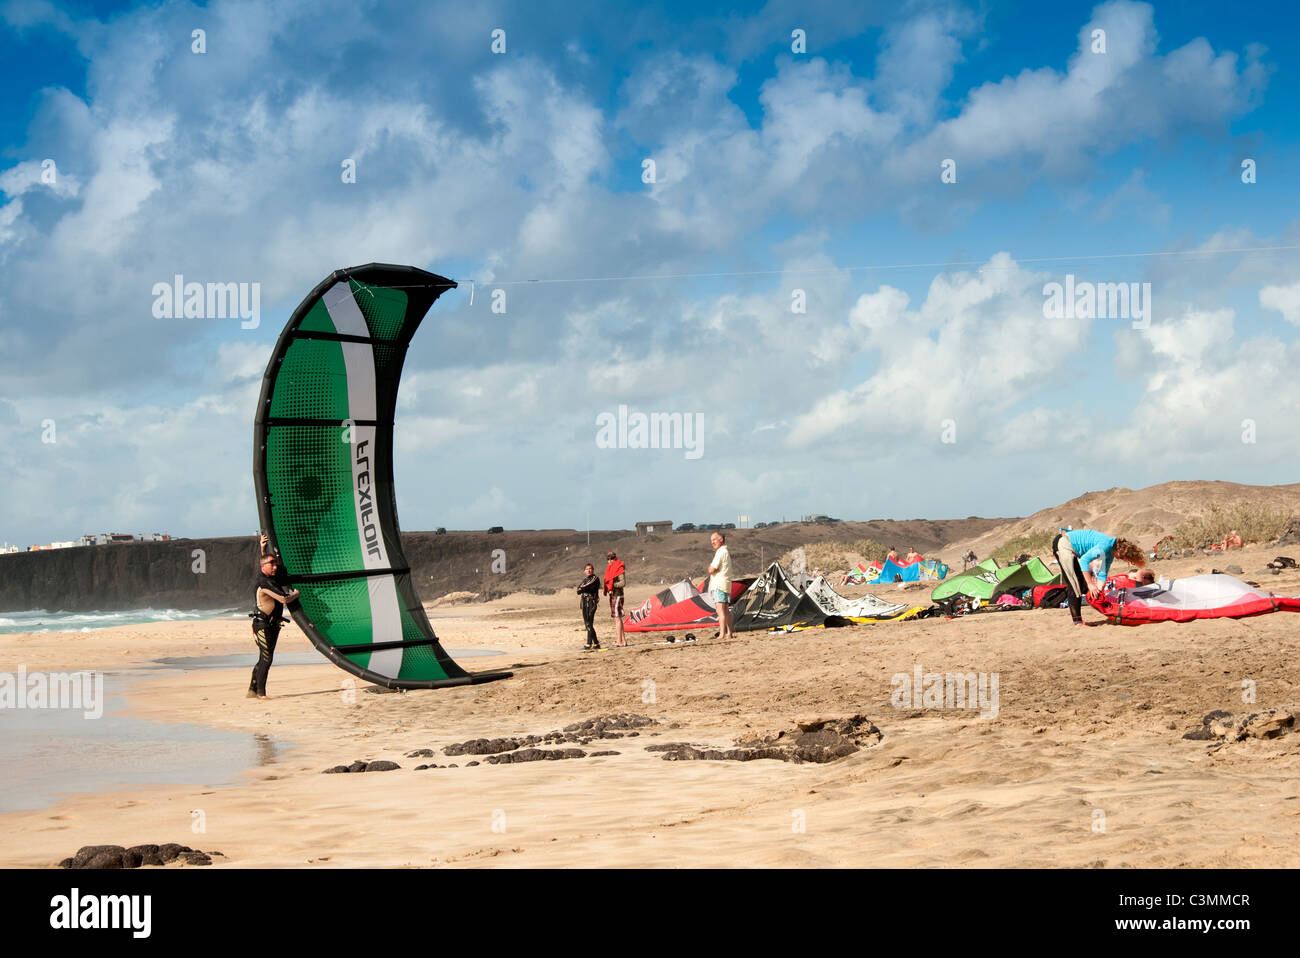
(323, 471)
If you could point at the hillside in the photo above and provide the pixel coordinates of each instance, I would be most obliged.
(161, 574)
(1143, 515)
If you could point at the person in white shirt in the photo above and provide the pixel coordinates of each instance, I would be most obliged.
(720, 583)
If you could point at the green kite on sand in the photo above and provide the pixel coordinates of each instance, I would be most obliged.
(986, 580)
(323, 471)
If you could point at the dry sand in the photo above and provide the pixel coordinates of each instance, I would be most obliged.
(1084, 764)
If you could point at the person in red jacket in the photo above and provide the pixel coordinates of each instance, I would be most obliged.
(615, 580)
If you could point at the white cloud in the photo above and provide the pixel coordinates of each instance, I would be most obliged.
(507, 168)
(1284, 299)
(959, 356)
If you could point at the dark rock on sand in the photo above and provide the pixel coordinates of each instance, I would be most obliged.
(1266, 724)
(171, 851)
(582, 733)
(484, 746)
(817, 740)
(536, 755)
(599, 754)
(360, 766)
(421, 753)
(88, 852)
(115, 856)
(110, 856)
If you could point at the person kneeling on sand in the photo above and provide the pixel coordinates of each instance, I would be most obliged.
(1076, 551)
(1233, 541)
(589, 593)
(272, 597)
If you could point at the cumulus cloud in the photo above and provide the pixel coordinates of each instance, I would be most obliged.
(528, 166)
(1283, 299)
(952, 358)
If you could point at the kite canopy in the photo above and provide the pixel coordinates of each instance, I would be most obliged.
(1214, 596)
(865, 609)
(986, 580)
(918, 570)
(680, 606)
(323, 471)
(774, 600)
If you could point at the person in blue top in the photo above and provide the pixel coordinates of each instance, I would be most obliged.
(1084, 556)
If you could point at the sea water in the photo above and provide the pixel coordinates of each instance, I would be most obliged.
(40, 620)
(48, 753)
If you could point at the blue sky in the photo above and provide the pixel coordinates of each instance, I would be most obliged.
(776, 170)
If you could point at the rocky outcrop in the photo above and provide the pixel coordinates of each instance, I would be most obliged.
(116, 856)
(813, 739)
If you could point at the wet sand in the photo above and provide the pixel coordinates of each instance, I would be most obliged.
(1083, 765)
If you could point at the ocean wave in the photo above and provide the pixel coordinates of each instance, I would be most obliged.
(43, 620)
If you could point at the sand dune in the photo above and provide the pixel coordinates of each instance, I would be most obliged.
(1143, 515)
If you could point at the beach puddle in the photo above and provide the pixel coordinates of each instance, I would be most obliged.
(48, 754)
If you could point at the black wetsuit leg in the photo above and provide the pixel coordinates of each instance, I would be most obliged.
(589, 606)
(265, 633)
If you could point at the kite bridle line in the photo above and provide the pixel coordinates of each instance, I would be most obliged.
(979, 264)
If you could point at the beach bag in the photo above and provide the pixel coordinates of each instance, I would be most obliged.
(1049, 596)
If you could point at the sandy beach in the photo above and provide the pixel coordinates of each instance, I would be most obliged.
(1083, 765)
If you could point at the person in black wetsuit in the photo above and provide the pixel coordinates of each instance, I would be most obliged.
(272, 596)
(589, 592)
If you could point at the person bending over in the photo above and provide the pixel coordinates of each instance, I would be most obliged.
(1084, 556)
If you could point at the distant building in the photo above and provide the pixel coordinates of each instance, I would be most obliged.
(650, 528)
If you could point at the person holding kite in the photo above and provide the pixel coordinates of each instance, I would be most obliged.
(273, 595)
